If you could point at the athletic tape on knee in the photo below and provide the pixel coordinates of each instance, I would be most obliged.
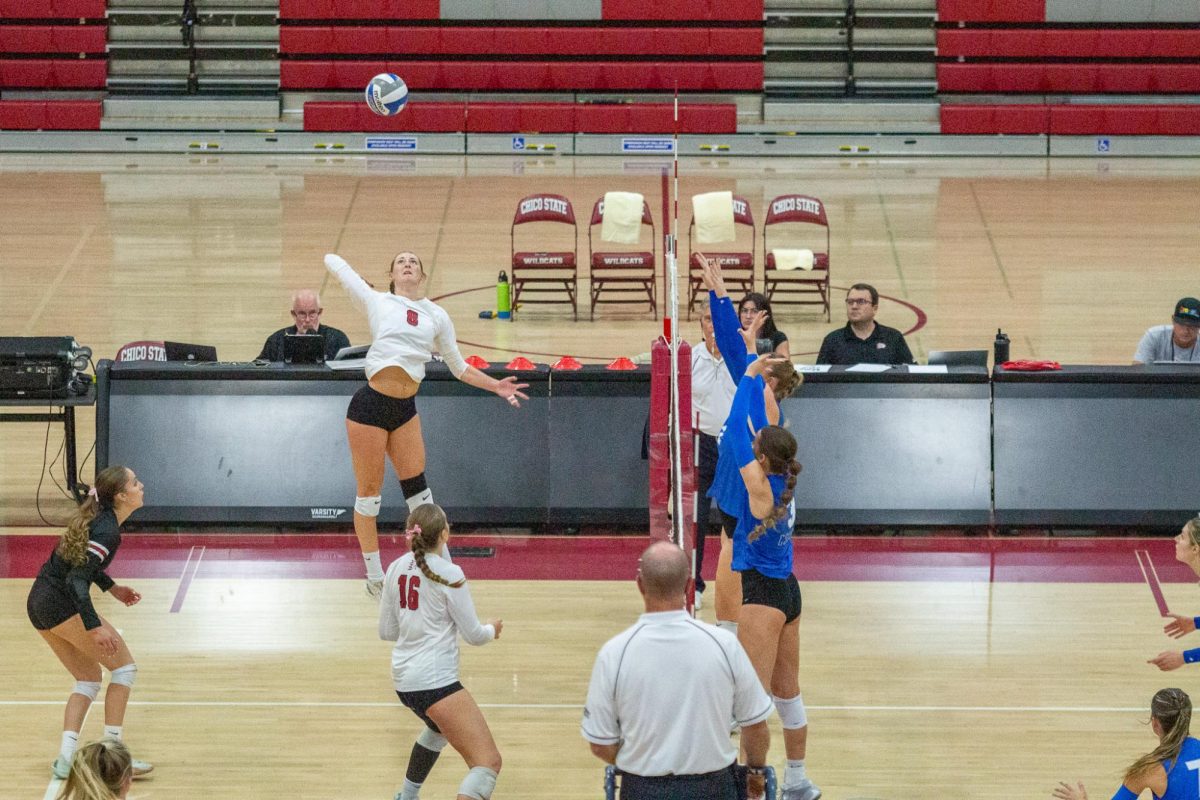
(368, 506)
(791, 712)
(479, 783)
(124, 675)
(89, 689)
(432, 740)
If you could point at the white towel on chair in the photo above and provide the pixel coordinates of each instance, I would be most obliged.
(713, 213)
(793, 259)
(622, 217)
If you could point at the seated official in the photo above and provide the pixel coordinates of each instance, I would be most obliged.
(306, 311)
(864, 341)
(1174, 342)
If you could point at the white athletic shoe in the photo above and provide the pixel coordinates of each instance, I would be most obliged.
(141, 769)
(374, 588)
(804, 791)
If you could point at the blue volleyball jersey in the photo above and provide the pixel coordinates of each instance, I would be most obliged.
(771, 553)
(1183, 774)
(727, 487)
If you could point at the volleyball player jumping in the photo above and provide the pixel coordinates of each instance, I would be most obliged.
(382, 421)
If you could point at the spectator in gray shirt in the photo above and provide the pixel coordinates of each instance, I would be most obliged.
(1174, 342)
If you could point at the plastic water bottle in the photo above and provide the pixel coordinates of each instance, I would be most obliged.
(1000, 348)
(503, 307)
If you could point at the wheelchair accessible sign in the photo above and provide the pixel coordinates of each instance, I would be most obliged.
(648, 144)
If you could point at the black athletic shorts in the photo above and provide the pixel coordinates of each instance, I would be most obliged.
(376, 409)
(47, 606)
(419, 702)
(728, 523)
(719, 785)
(780, 593)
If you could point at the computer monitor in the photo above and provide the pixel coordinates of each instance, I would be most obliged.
(179, 351)
(959, 358)
(303, 348)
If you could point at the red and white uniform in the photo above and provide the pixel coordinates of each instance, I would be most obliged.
(424, 619)
(405, 333)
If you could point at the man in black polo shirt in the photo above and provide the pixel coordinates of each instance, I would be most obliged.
(306, 311)
(863, 341)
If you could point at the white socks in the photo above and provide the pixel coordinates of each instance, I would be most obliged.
(410, 791)
(793, 773)
(112, 732)
(70, 742)
(374, 566)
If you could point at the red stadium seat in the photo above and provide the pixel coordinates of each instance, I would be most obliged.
(78, 9)
(735, 42)
(306, 75)
(799, 214)
(568, 76)
(465, 41)
(547, 117)
(306, 9)
(74, 115)
(528, 75)
(964, 78)
(1179, 120)
(79, 38)
(651, 118)
(1070, 78)
(738, 76)
(1176, 79)
(360, 40)
(26, 74)
(26, 39)
(493, 118)
(90, 74)
(22, 115)
(622, 272)
(707, 118)
(737, 266)
(428, 41)
(545, 272)
(1125, 78)
(596, 118)
(314, 41)
(356, 74)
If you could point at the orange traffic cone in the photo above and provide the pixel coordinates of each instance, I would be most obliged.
(566, 362)
(622, 363)
(520, 363)
(477, 362)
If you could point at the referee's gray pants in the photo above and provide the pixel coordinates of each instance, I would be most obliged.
(719, 785)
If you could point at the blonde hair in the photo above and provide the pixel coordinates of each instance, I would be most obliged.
(787, 379)
(1173, 710)
(1192, 528)
(779, 447)
(426, 523)
(99, 771)
(72, 547)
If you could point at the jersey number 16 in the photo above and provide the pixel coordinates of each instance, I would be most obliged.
(408, 592)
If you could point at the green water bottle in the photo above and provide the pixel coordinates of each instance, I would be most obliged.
(503, 306)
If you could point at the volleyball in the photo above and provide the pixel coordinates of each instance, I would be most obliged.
(387, 94)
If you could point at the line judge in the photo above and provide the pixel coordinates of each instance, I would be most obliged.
(663, 694)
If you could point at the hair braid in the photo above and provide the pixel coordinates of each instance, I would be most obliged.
(72, 546)
(779, 512)
(426, 523)
(1173, 710)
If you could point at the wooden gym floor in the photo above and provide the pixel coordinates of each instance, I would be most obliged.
(944, 684)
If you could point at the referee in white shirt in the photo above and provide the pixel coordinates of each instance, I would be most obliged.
(712, 396)
(663, 693)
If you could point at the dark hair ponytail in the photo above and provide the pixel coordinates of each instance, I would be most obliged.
(425, 524)
(779, 447)
(72, 547)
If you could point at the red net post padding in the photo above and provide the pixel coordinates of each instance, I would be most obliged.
(660, 444)
(687, 460)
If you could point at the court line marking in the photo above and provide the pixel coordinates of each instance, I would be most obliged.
(185, 578)
(1151, 575)
(578, 707)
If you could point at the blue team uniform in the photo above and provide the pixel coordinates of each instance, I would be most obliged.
(1183, 774)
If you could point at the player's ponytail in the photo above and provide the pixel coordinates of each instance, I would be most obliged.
(779, 447)
(1172, 708)
(72, 547)
(99, 771)
(786, 379)
(425, 525)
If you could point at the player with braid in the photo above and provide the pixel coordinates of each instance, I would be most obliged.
(769, 620)
(1169, 771)
(425, 606)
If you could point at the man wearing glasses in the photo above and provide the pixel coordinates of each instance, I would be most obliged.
(306, 311)
(863, 341)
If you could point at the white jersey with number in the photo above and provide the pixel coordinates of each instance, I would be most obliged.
(424, 619)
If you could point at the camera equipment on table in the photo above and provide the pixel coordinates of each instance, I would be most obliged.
(43, 367)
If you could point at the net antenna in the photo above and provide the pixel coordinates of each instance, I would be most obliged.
(678, 534)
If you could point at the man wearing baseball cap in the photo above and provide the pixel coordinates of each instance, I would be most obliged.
(1174, 342)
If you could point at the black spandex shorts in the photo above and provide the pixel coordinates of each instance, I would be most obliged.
(419, 702)
(728, 523)
(780, 593)
(376, 409)
(48, 607)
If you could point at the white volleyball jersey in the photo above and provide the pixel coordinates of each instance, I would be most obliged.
(404, 333)
(424, 619)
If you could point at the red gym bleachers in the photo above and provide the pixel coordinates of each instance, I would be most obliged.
(430, 117)
(48, 115)
(1077, 119)
(53, 44)
(991, 10)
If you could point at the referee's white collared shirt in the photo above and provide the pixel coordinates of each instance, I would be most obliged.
(712, 390)
(667, 689)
